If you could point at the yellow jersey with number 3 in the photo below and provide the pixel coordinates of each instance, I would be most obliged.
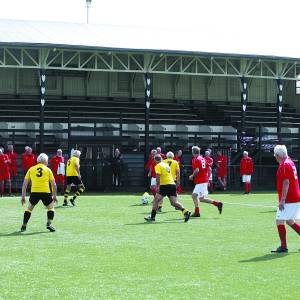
(174, 166)
(40, 177)
(71, 170)
(164, 171)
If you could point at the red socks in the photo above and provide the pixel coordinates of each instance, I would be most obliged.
(247, 187)
(153, 190)
(296, 227)
(215, 203)
(197, 210)
(282, 235)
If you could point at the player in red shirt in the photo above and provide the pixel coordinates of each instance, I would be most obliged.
(209, 163)
(150, 167)
(288, 196)
(4, 172)
(200, 179)
(246, 171)
(222, 169)
(57, 164)
(13, 167)
(28, 159)
(178, 158)
(158, 150)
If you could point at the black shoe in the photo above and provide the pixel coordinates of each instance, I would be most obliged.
(50, 227)
(280, 250)
(195, 215)
(65, 203)
(23, 228)
(72, 201)
(220, 207)
(159, 210)
(149, 219)
(187, 215)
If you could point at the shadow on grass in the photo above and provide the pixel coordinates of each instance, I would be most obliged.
(268, 212)
(19, 233)
(266, 257)
(63, 207)
(176, 221)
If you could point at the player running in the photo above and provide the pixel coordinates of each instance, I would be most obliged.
(73, 177)
(41, 177)
(165, 187)
(288, 195)
(201, 181)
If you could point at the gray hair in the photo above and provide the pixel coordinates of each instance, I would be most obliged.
(245, 153)
(42, 158)
(195, 150)
(170, 154)
(76, 153)
(157, 158)
(281, 151)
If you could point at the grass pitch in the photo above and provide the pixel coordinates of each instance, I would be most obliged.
(103, 249)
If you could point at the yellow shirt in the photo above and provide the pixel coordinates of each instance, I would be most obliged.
(164, 171)
(71, 170)
(173, 164)
(40, 177)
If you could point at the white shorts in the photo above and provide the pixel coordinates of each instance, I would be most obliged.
(210, 177)
(291, 212)
(201, 190)
(246, 178)
(153, 181)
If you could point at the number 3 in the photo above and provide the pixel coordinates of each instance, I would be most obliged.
(40, 172)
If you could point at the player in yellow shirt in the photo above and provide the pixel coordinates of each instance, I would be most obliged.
(41, 177)
(175, 172)
(73, 177)
(166, 187)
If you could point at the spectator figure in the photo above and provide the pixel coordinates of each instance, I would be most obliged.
(246, 171)
(13, 167)
(28, 160)
(117, 166)
(4, 172)
(57, 164)
(222, 170)
(178, 158)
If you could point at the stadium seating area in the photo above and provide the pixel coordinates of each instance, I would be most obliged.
(110, 110)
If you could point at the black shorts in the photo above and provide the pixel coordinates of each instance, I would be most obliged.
(167, 190)
(73, 179)
(36, 197)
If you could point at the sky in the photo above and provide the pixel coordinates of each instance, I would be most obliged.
(266, 23)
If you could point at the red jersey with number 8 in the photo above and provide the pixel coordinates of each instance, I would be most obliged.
(199, 163)
(287, 170)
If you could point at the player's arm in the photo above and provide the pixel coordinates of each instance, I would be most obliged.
(77, 170)
(54, 190)
(24, 188)
(196, 171)
(157, 181)
(285, 189)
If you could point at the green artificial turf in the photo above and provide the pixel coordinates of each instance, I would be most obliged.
(103, 249)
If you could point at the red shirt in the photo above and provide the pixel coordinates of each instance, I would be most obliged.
(222, 165)
(4, 164)
(163, 156)
(178, 159)
(246, 166)
(28, 161)
(13, 156)
(199, 163)
(287, 170)
(209, 163)
(54, 162)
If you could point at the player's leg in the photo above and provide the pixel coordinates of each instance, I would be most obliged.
(294, 225)
(50, 215)
(157, 198)
(8, 180)
(174, 202)
(67, 192)
(27, 215)
(249, 183)
(195, 196)
(225, 182)
(2, 186)
(160, 205)
(282, 235)
(221, 182)
(80, 190)
(218, 204)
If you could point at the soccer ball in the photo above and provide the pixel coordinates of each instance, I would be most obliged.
(145, 199)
